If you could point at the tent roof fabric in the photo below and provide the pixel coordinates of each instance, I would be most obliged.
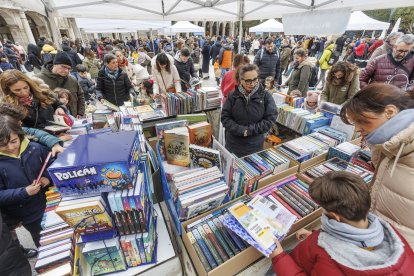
(361, 21)
(270, 25)
(207, 9)
(186, 27)
(93, 25)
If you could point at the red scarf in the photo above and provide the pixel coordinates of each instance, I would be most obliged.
(122, 64)
(26, 101)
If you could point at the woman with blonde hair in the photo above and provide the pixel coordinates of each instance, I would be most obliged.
(38, 103)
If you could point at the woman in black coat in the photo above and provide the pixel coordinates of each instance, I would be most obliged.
(206, 59)
(248, 113)
(113, 84)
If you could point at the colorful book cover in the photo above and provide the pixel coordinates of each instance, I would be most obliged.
(204, 157)
(200, 134)
(160, 130)
(203, 246)
(199, 251)
(177, 144)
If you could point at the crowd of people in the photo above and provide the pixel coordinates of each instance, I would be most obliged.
(378, 100)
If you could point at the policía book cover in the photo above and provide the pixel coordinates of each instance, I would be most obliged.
(177, 143)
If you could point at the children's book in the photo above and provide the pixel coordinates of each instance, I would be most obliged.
(204, 157)
(177, 142)
(200, 134)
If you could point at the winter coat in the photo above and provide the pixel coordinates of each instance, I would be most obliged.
(206, 58)
(39, 117)
(256, 44)
(92, 66)
(226, 57)
(256, 115)
(323, 61)
(299, 78)
(228, 84)
(77, 104)
(9, 52)
(393, 196)
(284, 56)
(87, 86)
(72, 55)
(309, 258)
(115, 91)
(164, 80)
(41, 137)
(6, 66)
(381, 50)
(33, 55)
(12, 260)
(384, 67)
(268, 63)
(339, 94)
(185, 71)
(360, 50)
(15, 175)
(214, 51)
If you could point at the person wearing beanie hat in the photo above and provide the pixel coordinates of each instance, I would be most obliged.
(311, 101)
(56, 75)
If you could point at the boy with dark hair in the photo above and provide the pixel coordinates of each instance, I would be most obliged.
(351, 241)
(87, 85)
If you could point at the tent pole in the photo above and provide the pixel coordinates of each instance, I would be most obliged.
(241, 15)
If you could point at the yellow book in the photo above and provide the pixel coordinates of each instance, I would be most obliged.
(177, 146)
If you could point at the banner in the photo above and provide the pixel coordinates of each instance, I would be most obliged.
(321, 23)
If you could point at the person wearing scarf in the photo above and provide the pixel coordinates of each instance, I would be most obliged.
(248, 113)
(351, 241)
(383, 114)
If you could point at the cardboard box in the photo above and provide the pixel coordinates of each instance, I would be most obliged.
(250, 255)
(308, 163)
(293, 168)
(96, 163)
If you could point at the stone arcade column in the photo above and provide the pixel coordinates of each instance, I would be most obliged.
(26, 27)
(223, 29)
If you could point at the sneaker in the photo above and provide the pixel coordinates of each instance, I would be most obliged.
(29, 252)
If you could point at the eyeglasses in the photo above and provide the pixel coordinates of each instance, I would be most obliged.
(253, 81)
(65, 67)
(402, 51)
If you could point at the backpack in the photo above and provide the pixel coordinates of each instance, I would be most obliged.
(314, 76)
(334, 57)
(47, 57)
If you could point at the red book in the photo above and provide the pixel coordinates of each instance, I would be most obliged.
(286, 205)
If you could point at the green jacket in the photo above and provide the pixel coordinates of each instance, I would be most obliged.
(92, 66)
(299, 78)
(42, 137)
(77, 105)
(323, 61)
(339, 94)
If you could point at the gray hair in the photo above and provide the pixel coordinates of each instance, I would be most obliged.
(394, 35)
(407, 39)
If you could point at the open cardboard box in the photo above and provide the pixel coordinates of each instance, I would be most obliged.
(249, 255)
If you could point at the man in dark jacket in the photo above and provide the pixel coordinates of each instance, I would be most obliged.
(396, 67)
(11, 55)
(248, 114)
(57, 75)
(72, 55)
(268, 61)
(113, 84)
(185, 68)
(215, 50)
(12, 259)
(340, 42)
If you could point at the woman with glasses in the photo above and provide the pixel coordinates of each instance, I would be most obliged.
(248, 113)
(298, 81)
(37, 103)
(341, 84)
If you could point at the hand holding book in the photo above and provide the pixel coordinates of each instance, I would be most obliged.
(278, 250)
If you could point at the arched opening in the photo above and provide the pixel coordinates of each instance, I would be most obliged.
(215, 29)
(200, 23)
(33, 27)
(208, 24)
(4, 30)
(221, 29)
(227, 29)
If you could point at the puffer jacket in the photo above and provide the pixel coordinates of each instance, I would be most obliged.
(381, 50)
(392, 190)
(185, 70)
(117, 90)
(77, 104)
(268, 63)
(384, 67)
(323, 61)
(339, 94)
(256, 115)
(214, 51)
(226, 57)
(299, 78)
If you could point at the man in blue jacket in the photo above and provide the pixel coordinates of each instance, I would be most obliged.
(215, 50)
(268, 61)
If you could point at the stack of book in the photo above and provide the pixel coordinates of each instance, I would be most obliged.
(99, 116)
(363, 159)
(335, 164)
(146, 112)
(244, 179)
(259, 221)
(177, 103)
(300, 120)
(345, 151)
(292, 194)
(197, 191)
(267, 162)
(213, 242)
(279, 98)
(212, 97)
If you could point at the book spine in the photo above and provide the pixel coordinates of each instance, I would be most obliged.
(289, 201)
(226, 236)
(141, 247)
(199, 252)
(303, 195)
(210, 245)
(220, 239)
(215, 242)
(287, 206)
(297, 197)
(205, 249)
(239, 242)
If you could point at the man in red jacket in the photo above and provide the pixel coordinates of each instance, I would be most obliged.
(351, 241)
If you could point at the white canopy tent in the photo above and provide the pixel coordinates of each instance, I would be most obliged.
(271, 26)
(94, 25)
(361, 21)
(186, 27)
